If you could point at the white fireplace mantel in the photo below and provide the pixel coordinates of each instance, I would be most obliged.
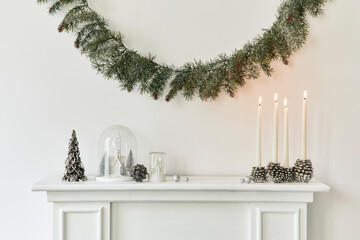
(210, 208)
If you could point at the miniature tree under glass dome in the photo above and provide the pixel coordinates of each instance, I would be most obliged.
(117, 154)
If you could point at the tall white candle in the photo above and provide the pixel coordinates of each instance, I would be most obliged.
(275, 135)
(258, 136)
(303, 129)
(286, 135)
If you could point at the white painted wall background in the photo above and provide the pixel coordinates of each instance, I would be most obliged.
(47, 89)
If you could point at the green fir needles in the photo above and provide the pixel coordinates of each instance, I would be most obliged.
(109, 56)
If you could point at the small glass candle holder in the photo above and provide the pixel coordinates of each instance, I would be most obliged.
(157, 171)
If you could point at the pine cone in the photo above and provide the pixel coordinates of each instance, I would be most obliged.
(138, 172)
(60, 28)
(289, 174)
(232, 94)
(275, 172)
(238, 65)
(229, 73)
(76, 44)
(290, 18)
(258, 174)
(303, 170)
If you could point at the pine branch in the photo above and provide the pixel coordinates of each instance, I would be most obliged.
(42, 1)
(60, 4)
(159, 81)
(110, 57)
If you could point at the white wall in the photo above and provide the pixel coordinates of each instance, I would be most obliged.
(47, 89)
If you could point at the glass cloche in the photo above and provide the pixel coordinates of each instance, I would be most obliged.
(117, 154)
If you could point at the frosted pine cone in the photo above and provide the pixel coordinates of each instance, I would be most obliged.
(258, 174)
(303, 170)
(289, 174)
(138, 172)
(275, 172)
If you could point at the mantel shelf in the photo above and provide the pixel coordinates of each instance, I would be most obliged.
(196, 183)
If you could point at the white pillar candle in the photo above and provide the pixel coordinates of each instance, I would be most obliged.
(258, 136)
(275, 135)
(303, 129)
(286, 135)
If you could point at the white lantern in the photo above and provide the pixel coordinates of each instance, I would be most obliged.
(157, 171)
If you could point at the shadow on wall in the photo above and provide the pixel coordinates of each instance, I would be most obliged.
(330, 210)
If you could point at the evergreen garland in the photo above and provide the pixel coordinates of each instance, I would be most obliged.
(109, 56)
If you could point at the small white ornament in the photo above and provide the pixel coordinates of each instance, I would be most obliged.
(176, 178)
(247, 179)
(242, 180)
(187, 179)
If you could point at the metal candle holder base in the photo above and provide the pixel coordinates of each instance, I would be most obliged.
(303, 170)
(258, 174)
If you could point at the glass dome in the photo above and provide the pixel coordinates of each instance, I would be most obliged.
(157, 171)
(117, 154)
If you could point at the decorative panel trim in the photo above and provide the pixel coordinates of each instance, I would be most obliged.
(178, 196)
(64, 211)
(261, 210)
(257, 214)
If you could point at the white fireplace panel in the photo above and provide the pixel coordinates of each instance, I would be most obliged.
(74, 228)
(179, 221)
(274, 221)
(279, 226)
(74, 221)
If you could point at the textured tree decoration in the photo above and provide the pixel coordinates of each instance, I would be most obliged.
(74, 169)
(138, 172)
(258, 174)
(130, 161)
(109, 56)
(289, 174)
(275, 172)
(122, 169)
(303, 170)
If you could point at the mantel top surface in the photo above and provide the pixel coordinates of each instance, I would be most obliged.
(196, 183)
